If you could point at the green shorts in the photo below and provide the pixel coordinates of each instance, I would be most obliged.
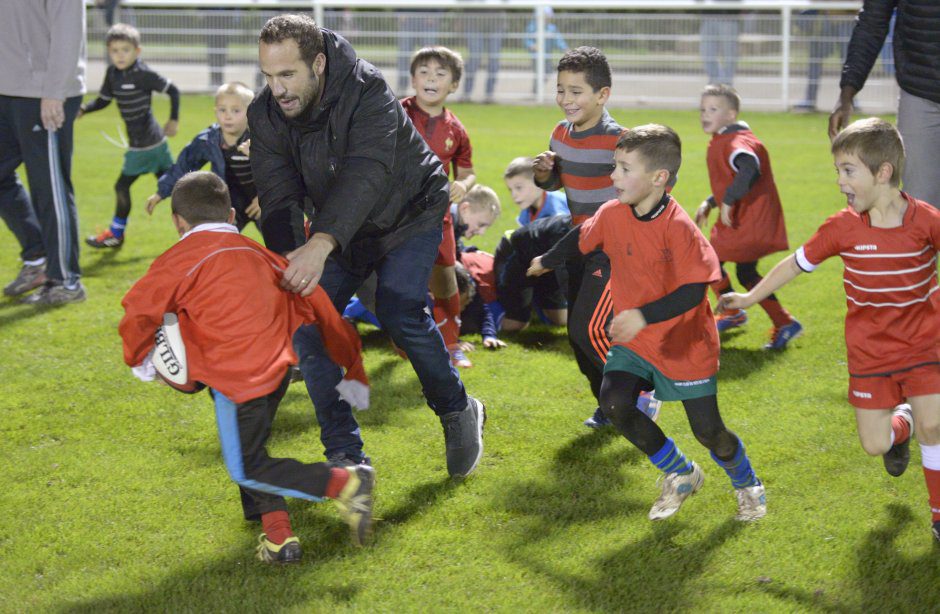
(156, 159)
(620, 358)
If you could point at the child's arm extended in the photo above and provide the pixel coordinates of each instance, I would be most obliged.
(488, 330)
(545, 171)
(464, 180)
(192, 158)
(103, 99)
(173, 124)
(563, 251)
(782, 274)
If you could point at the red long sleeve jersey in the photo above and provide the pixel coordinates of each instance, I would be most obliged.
(235, 319)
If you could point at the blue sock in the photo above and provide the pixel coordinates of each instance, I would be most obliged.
(738, 468)
(118, 224)
(670, 459)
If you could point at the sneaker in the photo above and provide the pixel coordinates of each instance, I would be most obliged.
(355, 502)
(598, 420)
(458, 358)
(782, 335)
(752, 503)
(287, 552)
(676, 489)
(345, 460)
(936, 530)
(30, 277)
(463, 438)
(55, 294)
(731, 319)
(296, 375)
(649, 404)
(897, 458)
(105, 239)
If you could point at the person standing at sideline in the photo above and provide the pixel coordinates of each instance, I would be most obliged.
(41, 85)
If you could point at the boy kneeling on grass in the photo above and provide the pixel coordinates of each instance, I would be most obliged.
(237, 324)
(888, 243)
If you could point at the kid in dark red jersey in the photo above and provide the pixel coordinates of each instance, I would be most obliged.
(663, 333)
(435, 74)
(750, 225)
(237, 323)
(888, 243)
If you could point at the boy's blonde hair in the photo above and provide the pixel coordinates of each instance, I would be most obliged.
(122, 32)
(482, 198)
(235, 88)
(520, 166)
(447, 58)
(874, 141)
(659, 146)
(201, 197)
(723, 90)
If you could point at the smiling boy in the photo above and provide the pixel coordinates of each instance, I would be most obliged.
(888, 242)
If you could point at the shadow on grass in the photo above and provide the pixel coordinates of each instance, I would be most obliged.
(13, 311)
(541, 337)
(885, 579)
(739, 363)
(110, 258)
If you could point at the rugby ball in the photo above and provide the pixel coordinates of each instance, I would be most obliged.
(169, 356)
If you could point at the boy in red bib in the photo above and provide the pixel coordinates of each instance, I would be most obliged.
(888, 242)
(663, 333)
(750, 225)
(237, 323)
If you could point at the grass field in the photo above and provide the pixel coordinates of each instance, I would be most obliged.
(115, 497)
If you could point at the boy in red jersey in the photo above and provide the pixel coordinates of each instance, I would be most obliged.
(237, 325)
(888, 242)
(435, 74)
(663, 333)
(750, 223)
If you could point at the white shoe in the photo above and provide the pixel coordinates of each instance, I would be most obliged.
(676, 489)
(752, 503)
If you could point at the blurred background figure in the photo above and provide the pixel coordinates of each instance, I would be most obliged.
(553, 43)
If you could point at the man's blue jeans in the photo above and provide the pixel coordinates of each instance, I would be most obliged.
(401, 306)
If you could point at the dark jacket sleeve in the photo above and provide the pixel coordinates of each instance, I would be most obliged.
(279, 182)
(673, 304)
(563, 251)
(192, 158)
(868, 37)
(488, 325)
(746, 175)
(173, 92)
(553, 182)
(366, 169)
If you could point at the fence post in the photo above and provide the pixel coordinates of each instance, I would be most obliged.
(539, 54)
(319, 14)
(785, 60)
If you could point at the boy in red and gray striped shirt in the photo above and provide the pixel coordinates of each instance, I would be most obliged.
(888, 242)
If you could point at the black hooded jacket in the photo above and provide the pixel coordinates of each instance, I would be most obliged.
(916, 45)
(354, 164)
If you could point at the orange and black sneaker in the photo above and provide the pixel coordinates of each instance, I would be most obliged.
(104, 239)
(287, 552)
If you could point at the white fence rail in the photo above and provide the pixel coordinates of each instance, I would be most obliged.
(779, 55)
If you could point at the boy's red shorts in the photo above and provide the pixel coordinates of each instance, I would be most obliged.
(887, 391)
(447, 251)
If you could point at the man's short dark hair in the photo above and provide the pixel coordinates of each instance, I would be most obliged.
(447, 58)
(590, 61)
(122, 32)
(302, 29)
(201, 197)
(658, 145)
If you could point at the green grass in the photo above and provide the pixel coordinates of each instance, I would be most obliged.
(115, 497)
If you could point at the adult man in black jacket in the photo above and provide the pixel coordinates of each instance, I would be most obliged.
(330, 139)
(917, 63)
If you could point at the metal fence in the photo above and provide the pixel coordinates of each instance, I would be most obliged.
(779, 55)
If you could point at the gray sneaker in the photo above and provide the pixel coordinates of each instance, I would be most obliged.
(463, 438)
(752, 503)
(55, 294)
(676, 489)
(30, 277)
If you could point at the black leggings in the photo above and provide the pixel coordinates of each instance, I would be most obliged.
(122, 190)
(619, 392)
(747, 276)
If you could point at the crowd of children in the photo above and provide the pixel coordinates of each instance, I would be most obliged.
(629, 274)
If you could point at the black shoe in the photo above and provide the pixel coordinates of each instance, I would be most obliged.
(897, 458)
(287, 552)
(463, 438)
(346, 460)
(355, 502)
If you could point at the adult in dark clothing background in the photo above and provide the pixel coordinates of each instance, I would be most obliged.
(917, 69)
(330, 139)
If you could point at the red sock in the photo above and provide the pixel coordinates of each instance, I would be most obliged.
(338, 479)
(447, 316)
(932, 477)
(901, 428)
(276, 525)
(778, 315)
